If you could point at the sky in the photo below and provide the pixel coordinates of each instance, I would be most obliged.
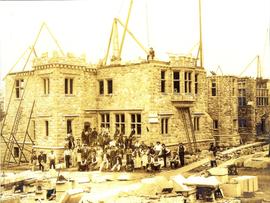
(233, 31)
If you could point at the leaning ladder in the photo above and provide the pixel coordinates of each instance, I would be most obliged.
(27, 133)
(12, 136)
(192, 130)
(182, 112)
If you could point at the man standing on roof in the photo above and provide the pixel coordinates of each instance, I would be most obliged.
(151, 54)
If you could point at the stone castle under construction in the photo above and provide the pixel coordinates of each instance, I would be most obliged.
(170, 102)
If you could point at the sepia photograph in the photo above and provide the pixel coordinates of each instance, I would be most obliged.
(135, 101)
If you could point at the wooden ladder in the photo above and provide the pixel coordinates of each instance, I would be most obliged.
(184, 119)
(192, 130)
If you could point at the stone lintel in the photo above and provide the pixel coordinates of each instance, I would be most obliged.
(198, 113)
(103, 110)
(71, 115)
(40, 116)
(182, 104)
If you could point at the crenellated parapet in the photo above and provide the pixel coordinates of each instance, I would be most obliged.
(183, 61)
(69, 61)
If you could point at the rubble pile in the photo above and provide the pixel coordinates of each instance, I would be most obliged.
(217, 184)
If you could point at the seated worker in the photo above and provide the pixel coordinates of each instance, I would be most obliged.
(84, 165)
(149, 163)
(118, 163)
(105, 161)
(93, 161)
(174, 162)
(129, 164)
(156, 164)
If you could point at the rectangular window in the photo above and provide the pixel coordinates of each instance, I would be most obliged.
(262, 97)
(46, 86)
(234, 123)
(47, 128)
(196, 123)
(105, 120)
(110, 86)
(69, 126)
(136, 123)
(188, 82)
(242, 101)
(120, 122)
(68, 85)
(196, 84)
(101, 87)
(214, 88)
(164, 126)
(242, 97)
(16, 152)
(242, 123)
(162, 82)
(215, 124)
(176, 82)
(19, 87)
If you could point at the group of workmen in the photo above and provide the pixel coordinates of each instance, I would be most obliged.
(100, 151)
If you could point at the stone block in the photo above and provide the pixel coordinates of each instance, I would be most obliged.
(218, 171)
(222, 178)
(231, 189)
(72, 196)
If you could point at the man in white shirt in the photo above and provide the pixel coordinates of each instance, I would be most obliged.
(157, 148)
(52, 158)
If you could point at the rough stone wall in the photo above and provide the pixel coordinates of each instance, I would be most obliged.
(262, 115)
(247, 112)
(56, 107)
(137, 89)
(252, 113)
(223, 107)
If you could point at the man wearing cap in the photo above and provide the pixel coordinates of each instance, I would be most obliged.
(52, 158)
(41, 161)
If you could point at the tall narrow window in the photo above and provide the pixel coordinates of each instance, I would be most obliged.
(196, 84)
(196, 123)
(68, 85)
(19, 86)
(164, 126)
(47, 128)
(101, 87)
(234, 123)
(188, 82)
(176, 82)
(136, 123)
(46, 86)
(120, 122)
(214, 88)
(162, 81)
(242, 97)
(69, 126)
(110, 86)
(242, 123)
(215, 124)
(105, 120)
(16, 152)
